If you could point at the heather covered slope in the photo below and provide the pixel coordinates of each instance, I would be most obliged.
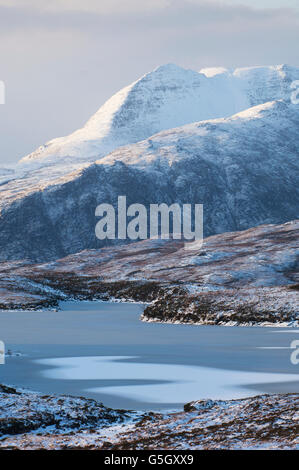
(263, 256)
(248, 277)
(244, 170)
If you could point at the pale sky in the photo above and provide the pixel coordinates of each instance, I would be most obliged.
(265, 3)
(61, 59)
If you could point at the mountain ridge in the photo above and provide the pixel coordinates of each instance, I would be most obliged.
(168, 97)
(242, 167)
(244, 170)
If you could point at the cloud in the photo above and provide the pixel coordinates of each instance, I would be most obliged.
(106, 7)
(134, 15)
(94, 6)
(265, 3)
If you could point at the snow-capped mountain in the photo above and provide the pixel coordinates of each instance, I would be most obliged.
(168, 97)
(244, 169)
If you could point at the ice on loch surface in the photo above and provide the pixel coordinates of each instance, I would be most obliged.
(178, 383)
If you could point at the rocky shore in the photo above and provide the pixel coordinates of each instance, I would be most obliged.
(243, 307)
(30, 420)
(239, 278)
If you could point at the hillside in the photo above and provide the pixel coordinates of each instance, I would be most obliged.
(244, 170)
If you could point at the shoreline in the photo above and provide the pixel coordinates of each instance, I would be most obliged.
(263, 420)
(176, 299)
(248, 277)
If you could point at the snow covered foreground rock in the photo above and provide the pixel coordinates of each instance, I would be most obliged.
(33, 421)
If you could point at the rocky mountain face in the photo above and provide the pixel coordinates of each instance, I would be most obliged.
(242, 167)
(244, 170)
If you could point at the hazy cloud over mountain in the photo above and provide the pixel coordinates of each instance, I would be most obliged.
(61, 60)
(116, 6)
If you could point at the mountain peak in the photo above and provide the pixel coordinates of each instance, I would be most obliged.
(212, 71)
(168, 97)
(170, 67)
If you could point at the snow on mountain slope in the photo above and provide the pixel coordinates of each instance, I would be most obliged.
(244, 169)
(257, 84)
(168, 97)
(214, 140)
